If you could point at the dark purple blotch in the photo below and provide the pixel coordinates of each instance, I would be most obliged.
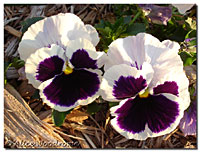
(48, 68)
(158, 112)
(65, 90)
(81, 59)
(128, 86)
(168, 87)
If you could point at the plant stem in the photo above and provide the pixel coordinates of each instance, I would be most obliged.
(135, 17)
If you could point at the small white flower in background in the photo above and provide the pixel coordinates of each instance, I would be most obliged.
(182, 8)
(146, 76)
(62, 62)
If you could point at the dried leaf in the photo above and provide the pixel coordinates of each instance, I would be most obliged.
(77, 116)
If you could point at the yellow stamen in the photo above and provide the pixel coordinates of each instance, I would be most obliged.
(145, 94)
(68, 70)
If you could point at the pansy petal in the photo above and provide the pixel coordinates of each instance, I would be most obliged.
(140, 118)
(44, 64)
(168, 66)
(121, 81)
(188, 123)
(182, 8)
(167, 87)
(171, 45)
(96, 95)
(135, 50)
(93, 34)
(81, 51)
(167, 73)
(159, 52)
(50, 31)
(63, 92)
(127, 51)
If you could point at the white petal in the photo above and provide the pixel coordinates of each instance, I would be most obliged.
(50, 31)
(153, 47)
(147, 71)
(33, 61)
(140, 48)
(93, 34)
(168, 66)
(171, 45)
(127, 51)
(172, 73)
(113, 74)
(182, 8)
(85, 44)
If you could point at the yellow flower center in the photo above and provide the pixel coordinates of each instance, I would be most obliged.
(145, 94)
(68, 69)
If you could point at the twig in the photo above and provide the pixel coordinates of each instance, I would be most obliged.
(10, 20)
(10, 50)
(71, 136)
(13, 31)
(102, 140)
(83, 143)
(81, 11)
(97, 136)
(72, 9)
(102, 131)
(44, 114)
(169, 135)
(121, 141)
(143, 144)
(89, 140)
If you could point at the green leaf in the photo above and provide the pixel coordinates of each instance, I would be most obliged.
(192, 42)
(93, 108)
(6, 67)
(17, 63)
(187, 58)
(59, 117)
(191, 90)
(118, 33)
(127, 19)
(178, 34)
(136, 28)
(108, 31)
(191, 34)
(26, 24)
(112, 104)
(101, 25)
